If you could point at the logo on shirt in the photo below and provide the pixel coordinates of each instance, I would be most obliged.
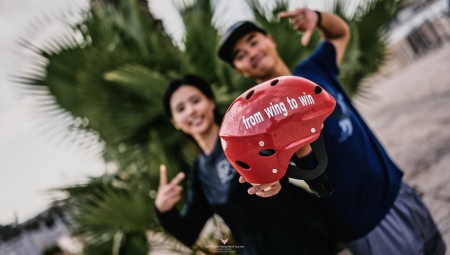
(344, 123)
(225, 171)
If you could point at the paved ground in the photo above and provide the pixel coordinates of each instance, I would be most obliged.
(409, 111)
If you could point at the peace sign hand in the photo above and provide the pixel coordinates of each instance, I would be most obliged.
(169, 194)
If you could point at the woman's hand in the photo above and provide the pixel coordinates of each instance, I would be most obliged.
(168, 193)
(263, 190)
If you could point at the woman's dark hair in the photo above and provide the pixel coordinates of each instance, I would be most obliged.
(194, 81)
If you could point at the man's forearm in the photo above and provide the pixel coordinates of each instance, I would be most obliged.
(332, 26)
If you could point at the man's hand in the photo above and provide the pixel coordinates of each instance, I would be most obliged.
(332, 28)
(263, 190)
(304, 20)
(168, 193)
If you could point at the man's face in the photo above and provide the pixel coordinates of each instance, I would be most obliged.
(255, 55)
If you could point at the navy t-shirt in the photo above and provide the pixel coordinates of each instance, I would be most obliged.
(365, 179)
(293, 222)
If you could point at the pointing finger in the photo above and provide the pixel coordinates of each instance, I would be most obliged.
(177, 179)
(287, 14)
(283, 15)
(162, 175)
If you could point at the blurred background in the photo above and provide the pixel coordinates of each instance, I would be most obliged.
(82, 129)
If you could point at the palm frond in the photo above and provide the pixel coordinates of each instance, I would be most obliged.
(116, 216)
(118, 209)
(367, 50)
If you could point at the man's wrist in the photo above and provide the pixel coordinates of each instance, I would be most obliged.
(305, 150)
(319, 19)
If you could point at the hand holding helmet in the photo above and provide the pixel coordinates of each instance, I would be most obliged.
(265, 126)
(263, 190)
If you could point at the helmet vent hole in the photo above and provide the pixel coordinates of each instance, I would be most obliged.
(250, 94)
(274, 82)
(317, 90)
(243, 165)
(267, 152)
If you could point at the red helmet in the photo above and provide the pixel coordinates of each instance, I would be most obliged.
(268, 123)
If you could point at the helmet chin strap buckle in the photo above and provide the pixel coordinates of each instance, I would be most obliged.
(316, 178)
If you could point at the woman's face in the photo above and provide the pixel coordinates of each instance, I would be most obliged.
(192, 111)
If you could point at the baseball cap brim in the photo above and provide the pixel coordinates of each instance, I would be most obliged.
(233, 34)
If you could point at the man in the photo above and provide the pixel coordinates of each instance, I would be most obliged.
(374, 210)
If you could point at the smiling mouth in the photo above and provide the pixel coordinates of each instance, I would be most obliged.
(196, 121)
(256, 61)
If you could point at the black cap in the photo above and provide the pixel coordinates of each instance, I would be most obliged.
(233, 34)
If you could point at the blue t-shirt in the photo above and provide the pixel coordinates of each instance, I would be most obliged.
(365, 179)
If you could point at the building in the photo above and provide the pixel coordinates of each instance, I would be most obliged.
(422, 26)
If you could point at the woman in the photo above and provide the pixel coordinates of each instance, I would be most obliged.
(290, 222)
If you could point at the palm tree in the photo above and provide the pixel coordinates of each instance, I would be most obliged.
(113, 80)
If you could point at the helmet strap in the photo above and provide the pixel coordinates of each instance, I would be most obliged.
(296, 172)
(316, 178)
